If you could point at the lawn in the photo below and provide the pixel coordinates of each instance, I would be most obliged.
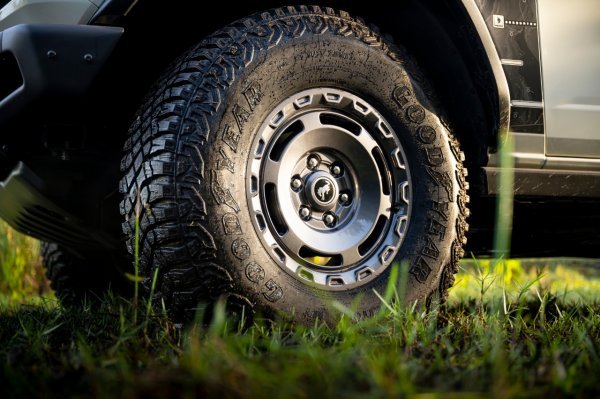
(510, 329)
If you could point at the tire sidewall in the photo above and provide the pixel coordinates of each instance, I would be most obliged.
(329, 60)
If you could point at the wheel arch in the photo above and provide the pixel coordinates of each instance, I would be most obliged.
(450, 41)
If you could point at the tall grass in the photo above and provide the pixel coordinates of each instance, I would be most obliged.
(504, 202)
(511, 328)
(521, 338)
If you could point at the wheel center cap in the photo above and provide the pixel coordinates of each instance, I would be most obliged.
(321, 190)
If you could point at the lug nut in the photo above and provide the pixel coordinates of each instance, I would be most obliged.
(305, 212)
(329, 219)
(344, 198)
(312, 162)
(296, 183)
(336, 170)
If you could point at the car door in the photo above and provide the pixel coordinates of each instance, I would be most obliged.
(570, 51)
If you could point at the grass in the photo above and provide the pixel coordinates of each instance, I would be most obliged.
(516, 329)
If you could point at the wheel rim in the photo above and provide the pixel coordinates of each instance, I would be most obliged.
(329, 188)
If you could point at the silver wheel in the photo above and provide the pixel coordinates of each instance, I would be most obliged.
(329, 188)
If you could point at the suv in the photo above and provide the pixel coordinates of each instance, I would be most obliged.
(285, 160)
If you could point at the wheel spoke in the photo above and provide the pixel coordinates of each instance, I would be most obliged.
(293, 243)
(385, 204)
(364, 138)
(311, 121)
(270, 171)
(351, 256)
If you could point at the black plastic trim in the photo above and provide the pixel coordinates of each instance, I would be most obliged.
(55, 60)
(25, 206)
(10, 73)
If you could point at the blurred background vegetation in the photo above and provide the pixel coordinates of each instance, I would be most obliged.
(22, 278)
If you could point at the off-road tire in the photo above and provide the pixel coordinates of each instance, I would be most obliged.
(76, 280)
(186, 160)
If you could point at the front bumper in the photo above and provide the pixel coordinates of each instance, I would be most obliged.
(53, 61)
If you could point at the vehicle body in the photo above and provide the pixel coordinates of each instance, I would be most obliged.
(74, 72)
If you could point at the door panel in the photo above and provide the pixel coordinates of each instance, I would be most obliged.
(570, 47)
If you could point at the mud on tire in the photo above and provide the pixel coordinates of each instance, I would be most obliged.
(186, 164)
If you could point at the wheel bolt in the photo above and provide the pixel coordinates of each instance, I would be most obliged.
(296, 183)
(312, 162)
(329, 219)
(305, 212)
(336, 170)
(344, 198)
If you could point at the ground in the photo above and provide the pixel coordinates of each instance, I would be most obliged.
(510, 329)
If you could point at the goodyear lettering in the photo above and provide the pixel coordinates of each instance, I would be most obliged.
(401, 95)
(231, 138)
(435, 156)
(273, 291)
(240, 249)
(225, 162)
(436, 228)
(415, 113)
(427, 134)
(430, 250)
(253, 95)
(231, 224)
(241, 115)
(221, 194)
(443, 180)
(442, 187)
(441, 208)
(420, 269)
(255, 272)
